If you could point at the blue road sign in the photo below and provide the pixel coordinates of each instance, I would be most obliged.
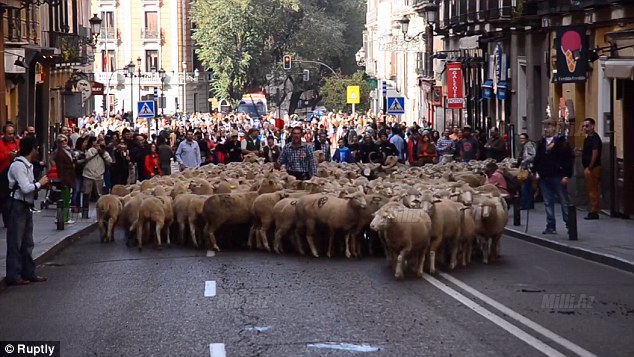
(396, 105)
(146, 109)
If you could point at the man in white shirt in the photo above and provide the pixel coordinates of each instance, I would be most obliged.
(20, 264)
(188, 152)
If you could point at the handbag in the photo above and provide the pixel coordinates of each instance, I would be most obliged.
(523, 175)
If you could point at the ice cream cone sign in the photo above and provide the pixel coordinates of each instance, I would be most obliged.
(571, 44)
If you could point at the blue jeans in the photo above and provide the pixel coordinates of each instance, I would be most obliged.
(526, 195)
(76, 196)
(550, 187)
(20, 264)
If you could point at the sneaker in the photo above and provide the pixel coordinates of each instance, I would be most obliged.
(549, 231)
(70, 221)
(591, 216)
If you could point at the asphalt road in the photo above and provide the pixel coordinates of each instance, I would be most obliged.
(109, 300)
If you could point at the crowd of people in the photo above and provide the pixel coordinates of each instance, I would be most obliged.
(92, 154)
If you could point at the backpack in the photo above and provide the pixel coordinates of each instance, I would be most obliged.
(512, 183)
(5, 190)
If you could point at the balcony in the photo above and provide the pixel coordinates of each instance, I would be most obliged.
(149, 34)
(72, 48)
(109, 34)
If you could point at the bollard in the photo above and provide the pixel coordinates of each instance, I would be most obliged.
(85, 199)
(572, 222)
(517, 215)
(60, 215)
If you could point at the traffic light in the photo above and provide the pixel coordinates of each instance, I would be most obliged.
(306, 76)
(287, 62)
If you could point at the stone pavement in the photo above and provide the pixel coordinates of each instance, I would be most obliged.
(48, 240)
(608, 240)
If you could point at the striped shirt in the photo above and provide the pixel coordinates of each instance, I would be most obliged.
(445, 146)
(298, 159)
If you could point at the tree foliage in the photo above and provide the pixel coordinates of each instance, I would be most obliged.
(241, 40)
(334, 92)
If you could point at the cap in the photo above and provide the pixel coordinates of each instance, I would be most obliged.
(466, 126)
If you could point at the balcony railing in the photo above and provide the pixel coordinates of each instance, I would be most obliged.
(72, 47)
(149, 34)
(110, 33)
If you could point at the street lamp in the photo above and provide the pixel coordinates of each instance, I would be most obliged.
(130, 69)
(162, 76)
(138, 61)
(430, 10)
(95, 27)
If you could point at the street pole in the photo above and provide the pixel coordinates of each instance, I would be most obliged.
(353, 109)
(132, 99)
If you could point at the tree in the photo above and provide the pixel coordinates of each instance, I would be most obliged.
(240, 41)
(334, 92)
(236, 39)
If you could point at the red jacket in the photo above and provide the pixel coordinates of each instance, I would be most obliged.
(5, 152)
(152, 165)
(411, 155)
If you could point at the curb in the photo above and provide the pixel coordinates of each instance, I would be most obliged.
(57, 248)
(605, 259)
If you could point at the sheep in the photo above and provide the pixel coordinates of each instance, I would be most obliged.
(285, 214)
(150, 211)
(130, 214)
(263, 218)
(467, 234)
(490, 219)
(231, 208)
(445, 216)
(108, 209)
(407, 233)
(180, 207)
(119, 190)
(374, 203)
(168, 214)
(330, 212)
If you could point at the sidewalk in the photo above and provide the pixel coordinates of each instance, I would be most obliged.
(48, 240)
(608, 240)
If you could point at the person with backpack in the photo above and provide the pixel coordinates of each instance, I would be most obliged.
(23, 186)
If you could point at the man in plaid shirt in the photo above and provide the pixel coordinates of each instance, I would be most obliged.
(445, 146)
(298, 157)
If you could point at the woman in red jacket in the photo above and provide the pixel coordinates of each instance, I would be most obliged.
(152, 163)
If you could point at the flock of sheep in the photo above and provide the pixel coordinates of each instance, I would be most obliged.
(435, 212)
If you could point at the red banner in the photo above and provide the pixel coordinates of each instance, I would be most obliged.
(97, 88)
(455, 93)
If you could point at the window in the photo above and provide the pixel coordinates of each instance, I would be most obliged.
(108, 61)
(151, 60)
(151, 24)
(107, 25)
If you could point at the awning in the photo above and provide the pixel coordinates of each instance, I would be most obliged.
(619, 68)
(488, 83)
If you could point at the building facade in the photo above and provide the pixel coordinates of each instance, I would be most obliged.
(395, 58)
(513, 63)
(47, 61)
(153, 37)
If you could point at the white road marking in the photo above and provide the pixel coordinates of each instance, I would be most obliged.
(521, 319)
(211, 253)
(259, 328)
(344, 347)
(510, 328)
(210, 288)
(217, 350)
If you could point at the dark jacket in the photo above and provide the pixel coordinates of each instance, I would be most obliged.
(275, 153)
(346, 153)
(65, 167)
(555, 161)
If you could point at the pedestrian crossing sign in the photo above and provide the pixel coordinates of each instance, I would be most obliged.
(146, 109)
(396, 105)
